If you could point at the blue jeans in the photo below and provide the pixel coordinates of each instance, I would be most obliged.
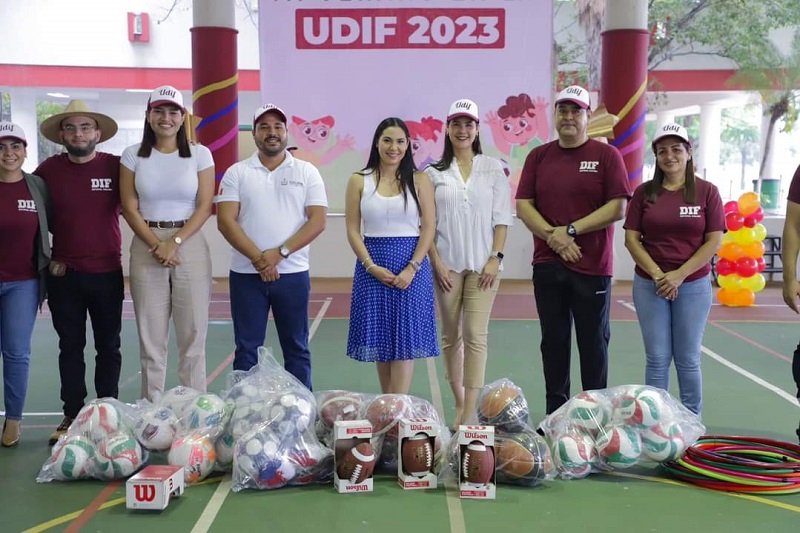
(673, 330)
(18, 303)
(251, 301)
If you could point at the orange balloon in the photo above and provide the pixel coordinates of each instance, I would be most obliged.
(725, 297)
(744, 298)
(753, 249)
(748, 203)
(731, 251)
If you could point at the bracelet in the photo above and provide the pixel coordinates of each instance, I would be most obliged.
(416, 265)
(373, 265)
(367, 260)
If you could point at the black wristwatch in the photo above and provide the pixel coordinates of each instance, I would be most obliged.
(499, 256)
(571, 231)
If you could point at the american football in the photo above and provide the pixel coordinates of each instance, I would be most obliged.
(357, 464)
(417, 455)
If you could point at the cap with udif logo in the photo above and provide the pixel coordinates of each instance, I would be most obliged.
(165, 95)
(463, 108)
(268, 108)
(671, 129)
(14, 131)
(575, 94)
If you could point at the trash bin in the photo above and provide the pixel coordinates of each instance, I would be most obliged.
(770, 193)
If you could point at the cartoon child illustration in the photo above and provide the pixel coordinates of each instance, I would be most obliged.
(316, 142)
(426, 140)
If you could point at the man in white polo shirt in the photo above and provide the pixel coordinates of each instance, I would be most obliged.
(269, 208)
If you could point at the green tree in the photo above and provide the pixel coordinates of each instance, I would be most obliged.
(45, 110)
(5, 106)
(739, 140)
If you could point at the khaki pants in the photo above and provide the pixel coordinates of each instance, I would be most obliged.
(465, 314)
(183, 293)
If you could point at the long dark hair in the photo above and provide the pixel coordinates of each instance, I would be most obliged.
(448, 154)
(652, 187)
(406, 169)
(149, 138)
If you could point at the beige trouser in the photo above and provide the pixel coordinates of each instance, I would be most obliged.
(465, 314)
(182, 292)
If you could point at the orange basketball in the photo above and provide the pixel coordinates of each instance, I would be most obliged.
(514, 459)
(503, 406)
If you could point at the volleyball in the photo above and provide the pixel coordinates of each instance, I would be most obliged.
(195, 454)
(663, 442)
(74, 459)
(574, 454)
(118, 456)
(155, 429)
(503, 406)
(97, 420)
(642, 407)
(588, 411)
(620, 446)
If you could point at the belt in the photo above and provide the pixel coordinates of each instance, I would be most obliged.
(166, 224)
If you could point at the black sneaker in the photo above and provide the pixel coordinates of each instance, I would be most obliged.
(60, 430)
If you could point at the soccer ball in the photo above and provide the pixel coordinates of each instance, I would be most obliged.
(178, 399)
(206, 414)
(196, 454)
(259, 462)
(155, 429)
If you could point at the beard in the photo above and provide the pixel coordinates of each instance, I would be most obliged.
(269, 151)
(80, 151)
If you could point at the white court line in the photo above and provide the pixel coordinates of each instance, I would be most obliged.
(213, 506)
(454, 509)
(3, 413)
(736, 368)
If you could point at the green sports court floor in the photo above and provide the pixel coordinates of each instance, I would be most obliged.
(747, 385)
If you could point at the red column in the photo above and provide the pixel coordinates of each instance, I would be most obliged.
(623, 89)
(215, 97)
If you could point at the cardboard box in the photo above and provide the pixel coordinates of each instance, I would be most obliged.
(152, 487)
(484, 435)
(347, 434)
(410, 427)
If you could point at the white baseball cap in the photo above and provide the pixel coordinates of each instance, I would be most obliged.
(9, 129)
(268, 108)
(575, 94)
(165, 95)
(671, 129)
(463, 108)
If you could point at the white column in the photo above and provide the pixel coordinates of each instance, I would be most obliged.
(626, 14)
(23, 112)
(707, 156)
(220, 13)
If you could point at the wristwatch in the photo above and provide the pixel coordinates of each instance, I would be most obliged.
(498, 255)
(284, 251)
(571, 231)
(177, 240)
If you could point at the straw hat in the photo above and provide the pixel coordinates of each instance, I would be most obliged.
(51, 127)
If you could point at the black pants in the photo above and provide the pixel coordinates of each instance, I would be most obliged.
(70, 297)
(796, 369)
(561, 297)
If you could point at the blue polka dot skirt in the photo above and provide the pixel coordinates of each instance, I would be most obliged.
(388, 324)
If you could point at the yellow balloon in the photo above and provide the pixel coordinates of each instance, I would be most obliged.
(744, 236)
(729, 236)
(731, 282)
(754, 283)
(760, 232)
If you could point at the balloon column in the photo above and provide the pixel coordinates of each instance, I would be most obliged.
(741, 256)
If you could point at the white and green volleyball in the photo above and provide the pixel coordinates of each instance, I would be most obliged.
(620, 446)
(664, 442)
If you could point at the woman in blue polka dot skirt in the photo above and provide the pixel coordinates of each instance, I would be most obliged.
(392, 317)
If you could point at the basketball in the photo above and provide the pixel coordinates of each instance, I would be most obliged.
(195, 454)
(522, 459)
(504, 407)
(663, 442)
(118, 456)
(620, 446)
(97, 420)
(155, 429)
(588, 411)
(74, 459)
(574, 454)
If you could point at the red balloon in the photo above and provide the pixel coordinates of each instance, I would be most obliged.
(746, 267)
(762, 265)
(758, 214)
(750, 221)
(731, 207)
(726, 267)
(734, 221)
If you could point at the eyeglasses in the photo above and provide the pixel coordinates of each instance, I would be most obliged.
(83, 128)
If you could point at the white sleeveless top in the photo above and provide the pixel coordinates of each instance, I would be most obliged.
(387, 216)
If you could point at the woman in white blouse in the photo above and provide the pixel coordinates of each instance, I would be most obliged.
(167, 187)
(473, 212)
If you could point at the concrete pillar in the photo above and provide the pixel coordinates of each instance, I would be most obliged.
(624, 79)
(215, 76)
(23, 112)
(707, 155)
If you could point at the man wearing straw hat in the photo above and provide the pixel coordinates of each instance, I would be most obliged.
(86, 271)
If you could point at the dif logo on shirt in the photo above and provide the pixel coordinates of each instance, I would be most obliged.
(689, 211)
(101, 184)
(588, 166)
(28, 206)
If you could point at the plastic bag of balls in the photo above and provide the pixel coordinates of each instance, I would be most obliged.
(522, 457)
(618, 428)
(333, 405)
(384, 412)
(100, 444)
(272, 423)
